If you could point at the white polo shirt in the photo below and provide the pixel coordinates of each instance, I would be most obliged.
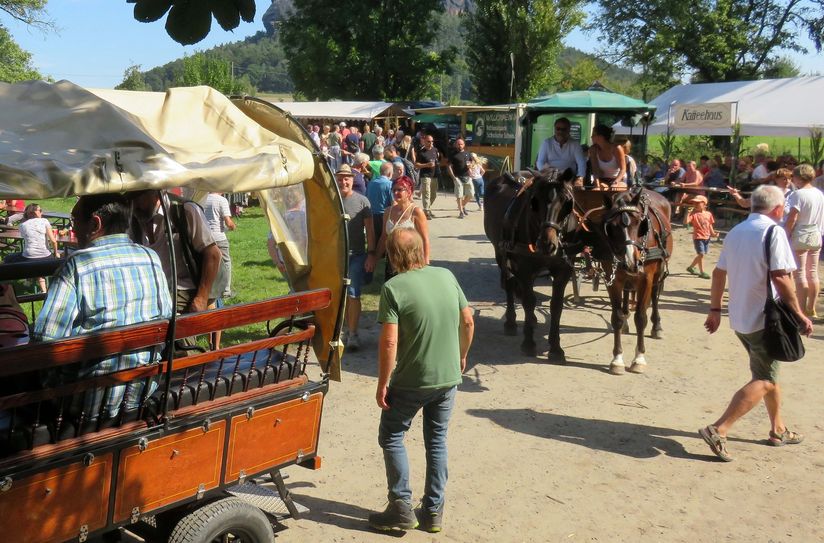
(742, 257)
(554, 155)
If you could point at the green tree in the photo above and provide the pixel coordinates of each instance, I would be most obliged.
(15, 63)
(531, 30)
(709, 40)
(133, 79)
(203, 69)
(31, 12)
(353, 49)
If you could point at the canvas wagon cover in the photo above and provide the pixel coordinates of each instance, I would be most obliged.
(60, 139)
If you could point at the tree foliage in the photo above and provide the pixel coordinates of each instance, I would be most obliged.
(353, 49)
(133, 79)
(15, 63)
(30, 12)
(710, 40)
(203, 69)
(531, 30)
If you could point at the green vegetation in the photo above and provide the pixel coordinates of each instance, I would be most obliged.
(513, 46)
(725, 40)
(387, 55)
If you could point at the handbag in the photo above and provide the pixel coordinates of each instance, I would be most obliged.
(781, 325)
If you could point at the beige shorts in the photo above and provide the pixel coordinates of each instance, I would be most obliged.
(464, 188)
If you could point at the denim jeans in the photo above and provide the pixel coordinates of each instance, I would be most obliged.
(437, 409)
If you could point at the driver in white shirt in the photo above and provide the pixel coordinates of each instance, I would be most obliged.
(561, 153)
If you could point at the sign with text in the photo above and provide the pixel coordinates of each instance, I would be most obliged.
(494, 128)
(714, 115)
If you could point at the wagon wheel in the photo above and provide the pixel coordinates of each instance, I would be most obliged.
(223, 521)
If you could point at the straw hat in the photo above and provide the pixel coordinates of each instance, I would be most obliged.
(345, 170)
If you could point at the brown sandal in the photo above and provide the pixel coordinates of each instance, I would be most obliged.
(787, 437)
(717, 443)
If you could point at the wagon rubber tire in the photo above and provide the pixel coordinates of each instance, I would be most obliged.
(230, 515)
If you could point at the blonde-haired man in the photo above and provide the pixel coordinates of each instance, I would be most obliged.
(427, 326)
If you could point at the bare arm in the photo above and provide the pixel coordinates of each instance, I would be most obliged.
(380, 249)
(387, 351)
(422, 226)
(785, 286)
(52, 239)
(466, 333)
(792, 218)
(621, 158)
(211, 260)
(719, 282)
(230, 224)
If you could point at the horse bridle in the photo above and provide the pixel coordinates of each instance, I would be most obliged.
(643, 212)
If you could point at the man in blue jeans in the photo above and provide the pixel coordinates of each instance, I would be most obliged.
(427, 327)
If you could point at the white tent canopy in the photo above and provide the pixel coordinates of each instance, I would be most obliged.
(360, 111)
(768, 107)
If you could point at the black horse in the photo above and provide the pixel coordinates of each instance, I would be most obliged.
(634, 244)
(526, 220)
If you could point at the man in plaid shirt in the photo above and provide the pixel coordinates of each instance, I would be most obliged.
(111, 281)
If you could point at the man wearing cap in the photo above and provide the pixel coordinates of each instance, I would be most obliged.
(361, 249)
(561, 153)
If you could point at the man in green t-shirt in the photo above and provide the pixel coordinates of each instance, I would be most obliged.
(427, 327)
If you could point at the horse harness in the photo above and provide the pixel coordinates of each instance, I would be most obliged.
(643, 209)
(515, 212)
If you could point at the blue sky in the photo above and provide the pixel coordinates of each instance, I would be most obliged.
(97, 40)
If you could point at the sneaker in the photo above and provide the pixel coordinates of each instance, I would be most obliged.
(429, 521)
(398, 515)
(704, 275)
(353, 342)
(692, 271)
(461, 215)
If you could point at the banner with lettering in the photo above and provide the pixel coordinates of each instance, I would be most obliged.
(702, 116)
(494, 128)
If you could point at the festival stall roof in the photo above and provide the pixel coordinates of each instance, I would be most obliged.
(589, 101)
(435, 114)
(769, 107)
(344, 111)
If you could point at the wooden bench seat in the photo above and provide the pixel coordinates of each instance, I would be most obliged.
(31, 417)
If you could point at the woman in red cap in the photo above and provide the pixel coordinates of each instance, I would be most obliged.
(403, 214)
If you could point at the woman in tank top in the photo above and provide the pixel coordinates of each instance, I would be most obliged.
(403, 214)
(36, 232)
(608, 161)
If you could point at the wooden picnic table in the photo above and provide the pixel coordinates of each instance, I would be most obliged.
(11, 241)
(59, 219)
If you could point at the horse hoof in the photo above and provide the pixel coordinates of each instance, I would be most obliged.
(615, 369)
(510, 329)
(638, 368)
(529, 350)
(557, 356)
(656, 334)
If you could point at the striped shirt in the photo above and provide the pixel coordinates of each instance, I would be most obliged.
(113, 282)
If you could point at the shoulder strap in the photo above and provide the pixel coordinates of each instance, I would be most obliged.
(767, 255)
(177, 215)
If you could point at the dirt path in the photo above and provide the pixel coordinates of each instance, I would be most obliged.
(542, 452)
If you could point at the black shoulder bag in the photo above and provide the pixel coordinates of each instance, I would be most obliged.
(781, 325)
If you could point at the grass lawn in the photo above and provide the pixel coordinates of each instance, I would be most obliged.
(797, 147)
(254, 276)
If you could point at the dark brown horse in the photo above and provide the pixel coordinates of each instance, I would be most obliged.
(634, 239)
(526, 220)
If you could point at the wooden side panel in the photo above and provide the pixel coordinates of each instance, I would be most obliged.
(171, 468)
(52, 506)
(273, 435)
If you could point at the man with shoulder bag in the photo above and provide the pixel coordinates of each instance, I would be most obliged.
(742, 259)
